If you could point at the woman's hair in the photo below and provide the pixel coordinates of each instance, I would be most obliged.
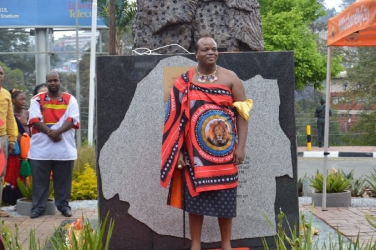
(39, 86)
(14, 93)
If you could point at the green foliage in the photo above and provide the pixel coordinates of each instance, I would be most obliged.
(16, 40)
(299, 238)
(348, 176)
(88, 239)
(286, 27)
(335, 182)
(125, 12)
(26, 188)
(84, 186)
(366, 124)
(300, 185)
(13, 78)
(371, 179)
(302, 238)
(86, 155)
(357, 187)
(10, 239)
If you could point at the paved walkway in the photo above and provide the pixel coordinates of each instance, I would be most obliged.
(359, 149)
(44, 225)
(349, 221)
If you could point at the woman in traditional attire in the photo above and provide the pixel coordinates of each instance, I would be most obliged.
(11, 192)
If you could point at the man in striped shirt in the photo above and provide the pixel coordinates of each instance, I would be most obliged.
(54, 116)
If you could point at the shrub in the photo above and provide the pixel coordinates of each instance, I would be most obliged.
(84, 186)
(86, 237)
(335, 182)
(371, 179)
(26, 188)
(81, 235)
(300, 185)
(357, 187)
(349, 176)
(85, 155)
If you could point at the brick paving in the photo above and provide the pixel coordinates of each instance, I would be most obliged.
(350, 221)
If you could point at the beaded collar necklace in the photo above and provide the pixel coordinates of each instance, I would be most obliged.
(211, 77)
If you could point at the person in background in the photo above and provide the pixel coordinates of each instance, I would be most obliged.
(320, 114)
(7, 132)
(52, 145)
(40, 88)
(11, 192)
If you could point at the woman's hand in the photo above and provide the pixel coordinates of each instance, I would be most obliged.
(182, 161)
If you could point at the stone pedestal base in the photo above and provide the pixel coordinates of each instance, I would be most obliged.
(24, 207)
(342, 199)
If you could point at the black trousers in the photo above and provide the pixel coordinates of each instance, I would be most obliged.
(320, 131)
(62, 183)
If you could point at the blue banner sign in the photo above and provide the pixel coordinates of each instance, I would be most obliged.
(45, 14)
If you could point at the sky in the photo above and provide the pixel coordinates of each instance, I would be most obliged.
(333, 3)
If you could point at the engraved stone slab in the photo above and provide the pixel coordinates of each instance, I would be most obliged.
(129, 160)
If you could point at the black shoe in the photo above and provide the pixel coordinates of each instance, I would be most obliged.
(67, 213)
(34, 215)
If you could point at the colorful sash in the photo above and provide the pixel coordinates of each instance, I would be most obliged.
(200, 121)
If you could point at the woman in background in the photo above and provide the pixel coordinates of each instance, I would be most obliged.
(40, 88)
(11, 192)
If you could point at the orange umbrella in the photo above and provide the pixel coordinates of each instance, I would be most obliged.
(355, 26)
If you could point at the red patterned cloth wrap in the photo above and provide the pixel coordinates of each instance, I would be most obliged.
(200, 121)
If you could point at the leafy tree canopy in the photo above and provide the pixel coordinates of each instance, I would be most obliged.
(125, 12)
(16, 40)
(13, 78)
(286, 27)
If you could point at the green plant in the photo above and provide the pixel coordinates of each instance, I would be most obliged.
(357, 187)
(335, 182)
(10, 239)
(85, 154)
(301, 237)
(84, 186)
(26, 188)
(371, 179)
(88, 238)
(349, 176)
(300, 185)
(85, 237)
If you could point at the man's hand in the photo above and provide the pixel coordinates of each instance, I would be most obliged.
(11, 148)
(182, 161)
(54, 135)
(239, 155)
